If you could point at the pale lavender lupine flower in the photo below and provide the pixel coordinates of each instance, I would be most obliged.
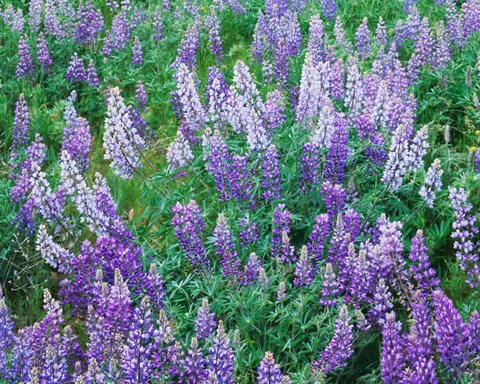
(121, 140)
(432, 183)
(464, 233)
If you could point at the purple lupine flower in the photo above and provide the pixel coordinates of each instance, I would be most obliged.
(303, 271)
(281, 63)
(339, 247)
(109, 322)
(157, 25)
(140, 96)
(188, 98)
(316, 45)
(24, 65)
(330, 286)
(464, 233)
(20, 128)
(362, 38)
(424, 275)
(334, 196)
(360, 279)
(252, 270)
(51, 24)
(120, 31)
(274, 115)
(188, 225)
(454, 23)
(418, 344)
(320, 232)
(248, 232)
(450, 333)
(154, 288)
(220, 362)
(187, 49)
(35, 15)
(474, 334)
(36, 153)
(137, 55)
(392, 356)
(424, 43)
(21, 355)
(477, 155)
(339, 349)
(239, 178)
(76, 139)
(53, 254)
(309, 168)
(390, 262)
(396, 166)
(236, 7)
(270, 174)
(225, 249)
(179, 153)
(121, 140)
(337, 152)
(329, 9)
(136, 361)
(218, 163)
(470, 17)
(381, 303)
(432, 183)
(89, 23)
(268, 371)
(76, 72)
(213, 26)
(281, 222)
(287, 251)
(108, 254)
(205, 323)
(49, 357)
(443, 53)
(7, 338)
(92, 77)
(43, 55)
(195, 364)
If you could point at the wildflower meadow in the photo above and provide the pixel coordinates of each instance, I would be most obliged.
(239, 191)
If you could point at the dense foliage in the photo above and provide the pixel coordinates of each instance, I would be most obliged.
(238, 191)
